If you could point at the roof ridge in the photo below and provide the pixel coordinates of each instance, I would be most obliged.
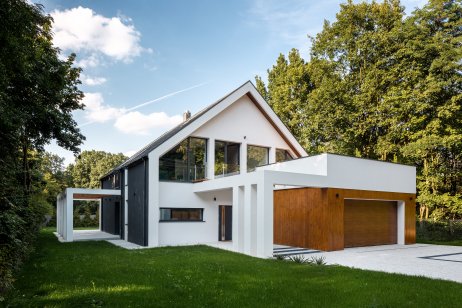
(170, 133)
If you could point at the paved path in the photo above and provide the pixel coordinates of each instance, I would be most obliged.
(434, 261)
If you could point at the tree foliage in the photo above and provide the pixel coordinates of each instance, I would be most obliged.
(90, 166)
(38, 92)
(384, 86)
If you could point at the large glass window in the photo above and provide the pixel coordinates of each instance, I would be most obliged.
(256, 156)
(282, 155)
(181, 214)
(184, 163)
(226, 158)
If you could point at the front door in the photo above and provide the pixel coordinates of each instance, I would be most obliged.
(225, 222)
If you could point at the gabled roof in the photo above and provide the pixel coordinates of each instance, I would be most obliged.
(143, 153)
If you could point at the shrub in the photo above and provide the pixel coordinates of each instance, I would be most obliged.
(280, 257)
(301, 259)
(19, 225)
(321, 260)
(444, 231)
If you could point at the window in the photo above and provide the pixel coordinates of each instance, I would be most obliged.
(184, 163)
(181, 214)
(282, 155)
(256, 156)
(226, 158)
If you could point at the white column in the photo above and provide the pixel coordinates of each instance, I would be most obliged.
(99, 214)
(247, 227)
(58, 215)
(211, 159)
(401, 222)
(69, 216)
(254, 218)
(238, 218)
(126, 204)
(264, 219)
(243, 158)
(272, 155)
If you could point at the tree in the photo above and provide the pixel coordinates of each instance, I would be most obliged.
(90, 166)
(38, 92)
(432, 59)
(289, 84)
(351, 60)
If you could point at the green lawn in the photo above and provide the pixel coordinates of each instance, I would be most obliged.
(85, 274)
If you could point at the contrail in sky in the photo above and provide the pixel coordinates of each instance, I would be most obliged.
(153, 101)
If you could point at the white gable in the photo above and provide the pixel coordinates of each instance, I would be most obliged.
(241, 122)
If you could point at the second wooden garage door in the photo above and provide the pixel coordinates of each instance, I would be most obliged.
(370, 222)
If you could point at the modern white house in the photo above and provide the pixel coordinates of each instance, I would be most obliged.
(233, 173)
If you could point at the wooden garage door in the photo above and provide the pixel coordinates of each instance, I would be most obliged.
(370, 222)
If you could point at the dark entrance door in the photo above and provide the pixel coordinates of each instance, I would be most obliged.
(225, 222)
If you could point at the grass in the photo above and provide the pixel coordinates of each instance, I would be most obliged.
(97, 274)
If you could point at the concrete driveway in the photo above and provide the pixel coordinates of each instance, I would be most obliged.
(434, 261)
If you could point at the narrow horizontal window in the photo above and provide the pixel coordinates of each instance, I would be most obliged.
(181, 214)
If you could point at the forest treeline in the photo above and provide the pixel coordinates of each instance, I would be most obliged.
(379, 84)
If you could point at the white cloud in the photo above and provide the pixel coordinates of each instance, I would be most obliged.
(128, 120)
(130, 153)
(92, 81)
(137, 123)
(88, 61)
(82, 30)
(97, 111)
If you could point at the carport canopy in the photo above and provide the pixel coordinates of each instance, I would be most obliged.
(65, 211)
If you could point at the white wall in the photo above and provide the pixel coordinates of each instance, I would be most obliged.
(309, 165)
(181, 195)
(366, 174)
(242, 122)
(339, 171)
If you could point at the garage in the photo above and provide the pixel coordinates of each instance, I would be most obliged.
(370, 222)
(333, 219)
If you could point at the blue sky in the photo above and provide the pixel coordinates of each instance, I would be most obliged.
(146, 62)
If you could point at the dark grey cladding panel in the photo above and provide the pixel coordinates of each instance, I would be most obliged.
(110, 210)
(137, 203)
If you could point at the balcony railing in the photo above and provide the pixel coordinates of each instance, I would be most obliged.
(222, 170)
(179, 171)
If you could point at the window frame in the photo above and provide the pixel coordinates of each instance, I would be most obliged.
(188, 159)
(267, 156)
(225, 156)
(286, 151)
(181, 209)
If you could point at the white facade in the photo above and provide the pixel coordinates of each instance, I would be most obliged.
(237, 119)
(244, 117)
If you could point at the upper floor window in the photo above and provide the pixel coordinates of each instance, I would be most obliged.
(283, 155)
(186, 162)
(256, 156)
(226, 158)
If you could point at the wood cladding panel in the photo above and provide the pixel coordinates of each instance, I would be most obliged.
(305, 218)
(314, 217)
(370, 222)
